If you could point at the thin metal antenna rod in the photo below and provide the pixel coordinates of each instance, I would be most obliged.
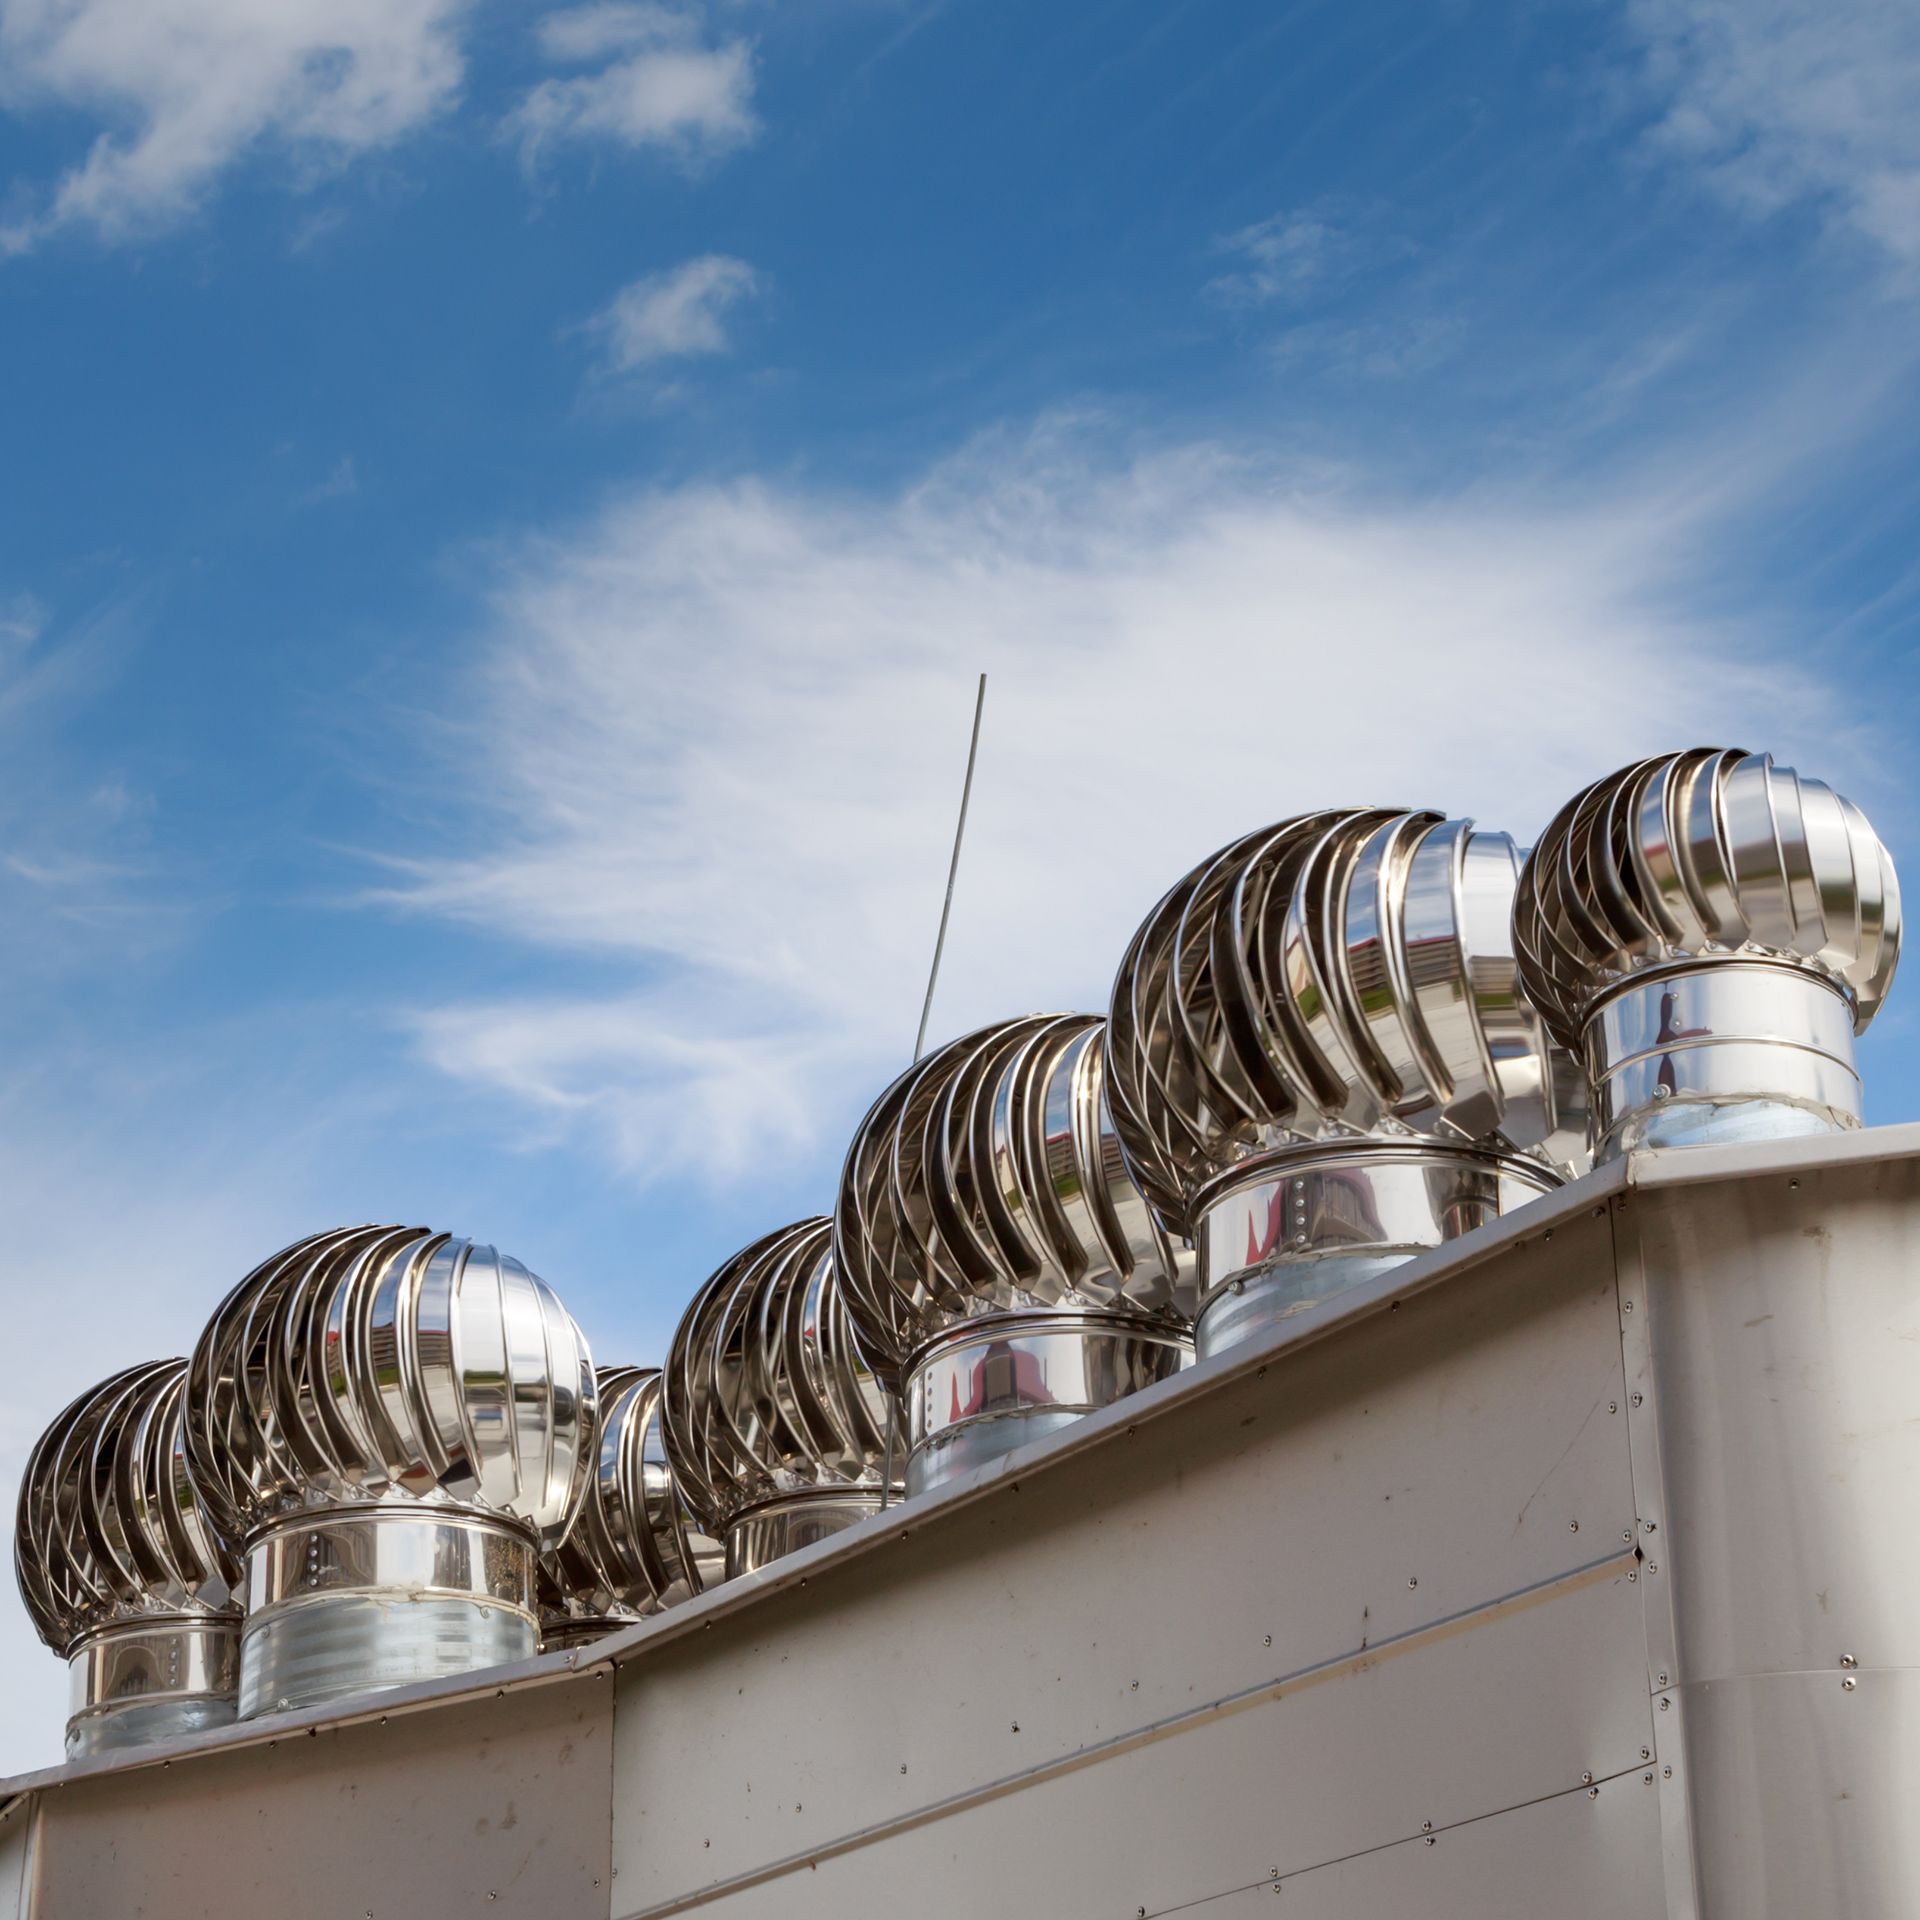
(959, 834)
(926, 1012)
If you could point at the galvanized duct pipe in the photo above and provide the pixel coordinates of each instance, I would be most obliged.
(122, 1570)
(777, 1428)
(998, 1259)
(634, 1549)
(394, 1423)
(1709, 932)
(1320, 1061)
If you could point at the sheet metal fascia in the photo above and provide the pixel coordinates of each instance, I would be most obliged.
(17, 1819)
(491, 1807)
(1571, 1856)
(1778, 1845)
(1265, 1797)
(1679, 1863)
(1487, 1405)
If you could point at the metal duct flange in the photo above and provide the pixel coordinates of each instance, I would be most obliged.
(1710, 931)
(394, 1422)
(997, 1257)
(122, 1570)
(1320, 1061)
(634, 1549)
(778, 1430)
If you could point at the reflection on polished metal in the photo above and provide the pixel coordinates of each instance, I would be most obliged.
(635, 1549)
(395, 1423)
(998, 1259)
(1710, 931)
(122, 1570)
(776, 1426)
(1320, 1061)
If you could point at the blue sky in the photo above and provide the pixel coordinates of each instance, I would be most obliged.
(501, 510)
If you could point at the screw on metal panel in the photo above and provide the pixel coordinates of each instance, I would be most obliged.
(1628, 1535)
(1573, 1526)
(1647, 1779)
(1413, 1580)
(1849, 1683)
(1016, 1726)
(1426, 1826)
(1666, 1773)
(1432, 1840)
(1586, 1779)
(1663, 1679)
(1637, 1399)
(1793, 1186)
(1665, 1704)
(1847, 1660)
(1133, 1686)
(1593, 1793)
(1626, 1306)
(1646, 1753)
(903, 1766)
(1652, 1567)
(1268, 1641)
(1632, 1575)
(1613, 1406)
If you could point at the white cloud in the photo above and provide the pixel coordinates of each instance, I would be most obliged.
(23, 618)
(342, 482)
(1785, 101)
(188, 87)
(671, 315)
(1287, 257)
(717, 737)
(665, 83)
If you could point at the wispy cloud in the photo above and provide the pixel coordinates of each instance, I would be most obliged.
(724, 725)
(188, 87)
(23, 618)
(1788, 101)
(342, 482)
(660, 79)
(673, 315)
(1297, 256)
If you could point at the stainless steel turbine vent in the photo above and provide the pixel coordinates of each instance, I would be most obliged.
(394, 1422)
(1710, 931)
(1320, 1061)
(997, 1257)
(778, 1430)
(122, 1570)
(635, 1549)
